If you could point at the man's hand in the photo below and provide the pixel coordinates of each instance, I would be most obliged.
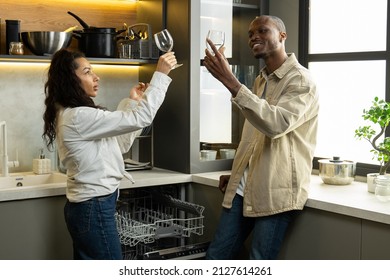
(223, 182)
(219, 67)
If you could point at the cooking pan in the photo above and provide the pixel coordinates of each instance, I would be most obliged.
(96, 41)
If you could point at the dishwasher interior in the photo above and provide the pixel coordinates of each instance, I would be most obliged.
(156, 223)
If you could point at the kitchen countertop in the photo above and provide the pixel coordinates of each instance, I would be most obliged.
(142, 178)
(352, 200)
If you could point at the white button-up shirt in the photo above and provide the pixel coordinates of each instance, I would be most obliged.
(91, 141)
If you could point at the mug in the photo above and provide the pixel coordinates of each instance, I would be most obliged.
(208, 154)
(227, 153)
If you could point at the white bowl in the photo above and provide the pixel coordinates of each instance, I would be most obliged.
(208, 154)
(227, 153)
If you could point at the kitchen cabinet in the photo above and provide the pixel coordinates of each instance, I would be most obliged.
(330, 227)
(315, 234)
(34, 229)
(177, 125)
(322, 235)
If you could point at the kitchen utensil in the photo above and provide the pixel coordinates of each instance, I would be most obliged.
(46, 42)
(142, 44)
(337, 172)
(70, 29)
(96, 41)
(83, 23)
(133, 35)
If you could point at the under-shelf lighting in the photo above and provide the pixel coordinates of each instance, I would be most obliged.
(31, 59)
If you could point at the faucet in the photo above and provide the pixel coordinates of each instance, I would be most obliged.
(4, 157)
(5, 162)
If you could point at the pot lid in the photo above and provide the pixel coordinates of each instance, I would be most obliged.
(336, 160)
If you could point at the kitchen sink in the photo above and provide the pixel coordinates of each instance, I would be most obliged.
(29, 179)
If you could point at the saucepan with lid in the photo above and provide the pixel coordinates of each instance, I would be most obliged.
(336, 171)
(96, 41)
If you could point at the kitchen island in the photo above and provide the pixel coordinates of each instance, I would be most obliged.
(339, 222)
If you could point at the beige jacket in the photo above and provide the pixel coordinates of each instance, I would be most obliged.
(278, 141)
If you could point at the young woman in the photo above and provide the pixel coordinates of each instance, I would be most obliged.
(90, 142)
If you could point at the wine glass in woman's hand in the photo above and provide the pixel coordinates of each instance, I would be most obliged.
(164, 42)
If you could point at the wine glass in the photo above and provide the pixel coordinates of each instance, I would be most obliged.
(164, 42)
(217, 37)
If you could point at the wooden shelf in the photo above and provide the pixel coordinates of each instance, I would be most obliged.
(93, 60)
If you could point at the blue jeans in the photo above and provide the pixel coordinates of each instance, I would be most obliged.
(92, 227)
(233, 229)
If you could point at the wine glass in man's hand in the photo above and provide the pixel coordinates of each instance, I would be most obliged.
(217, 37)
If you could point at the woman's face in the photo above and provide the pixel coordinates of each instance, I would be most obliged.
(89, 80)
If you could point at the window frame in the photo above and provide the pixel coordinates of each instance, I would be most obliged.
(304, 58)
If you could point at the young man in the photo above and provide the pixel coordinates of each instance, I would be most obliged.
(271, 171)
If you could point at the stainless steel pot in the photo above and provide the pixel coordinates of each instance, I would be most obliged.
(337, 172)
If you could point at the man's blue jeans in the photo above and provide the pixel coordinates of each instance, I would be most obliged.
(93, 228)
(233, 229)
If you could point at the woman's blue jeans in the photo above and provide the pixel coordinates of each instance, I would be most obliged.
(233, 229)
(92, 227)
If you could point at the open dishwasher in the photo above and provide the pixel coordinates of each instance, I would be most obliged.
(154, 224)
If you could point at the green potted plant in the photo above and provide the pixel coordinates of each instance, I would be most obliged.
(379, 115)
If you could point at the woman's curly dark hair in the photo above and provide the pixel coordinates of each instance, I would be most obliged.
(62, 89)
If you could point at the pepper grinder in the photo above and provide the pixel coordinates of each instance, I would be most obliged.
(12, 29)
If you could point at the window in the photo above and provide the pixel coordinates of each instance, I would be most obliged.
(343, 43)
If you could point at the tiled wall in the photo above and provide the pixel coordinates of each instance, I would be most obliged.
(21, 104)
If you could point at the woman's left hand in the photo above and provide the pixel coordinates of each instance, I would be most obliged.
(137, 92)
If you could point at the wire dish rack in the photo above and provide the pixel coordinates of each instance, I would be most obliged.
(155, 215)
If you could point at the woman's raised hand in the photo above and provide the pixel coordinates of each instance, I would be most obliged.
(166, 62)
(137, 91)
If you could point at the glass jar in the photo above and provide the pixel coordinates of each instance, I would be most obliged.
(16, 48)
(382, 187)
(124, 49)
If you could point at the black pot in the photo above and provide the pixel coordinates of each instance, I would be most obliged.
(96, 41)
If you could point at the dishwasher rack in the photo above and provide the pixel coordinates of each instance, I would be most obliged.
(154, 215)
